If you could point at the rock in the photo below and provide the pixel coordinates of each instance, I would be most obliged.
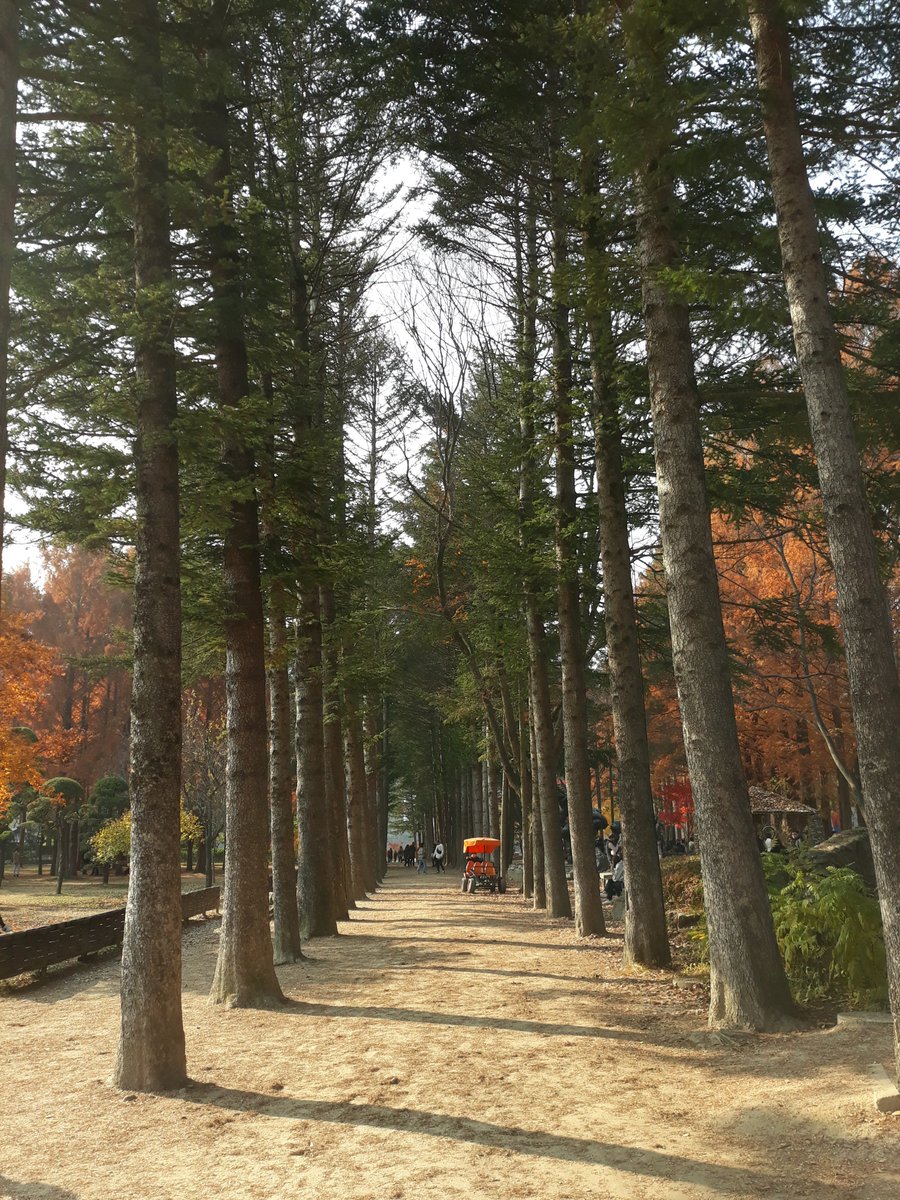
(684, 981)
(850, 848)
(686, 920)
(885, 1095)
(864, 1018)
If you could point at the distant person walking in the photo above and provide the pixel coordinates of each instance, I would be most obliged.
(438, 857)
(17, 863)
(421, 864)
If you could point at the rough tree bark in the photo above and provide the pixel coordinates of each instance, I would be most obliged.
(9, 79)
(245, 972)
(868, 642)
(646, 936)
(552, 886)
(558, 903)
(151, 1051)
(333, 742)
(539, 878)
(588, 908)
(748, 988)
(358, 802)
(315, 867)
(525, 796)
(281, 805)
(376, 758)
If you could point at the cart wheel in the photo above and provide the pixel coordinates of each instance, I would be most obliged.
(501, 886)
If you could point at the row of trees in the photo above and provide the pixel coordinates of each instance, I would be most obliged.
(198, 220)
(604, 181)
(598, 353)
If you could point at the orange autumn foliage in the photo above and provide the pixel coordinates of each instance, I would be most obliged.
(79, 702)
(26, 669)
(790, 686)
(780, 614)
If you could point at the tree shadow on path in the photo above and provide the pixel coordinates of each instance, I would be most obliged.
(626, 982)
(16, 1189)
(652, 1164)
(419, 1016)
(422, 939)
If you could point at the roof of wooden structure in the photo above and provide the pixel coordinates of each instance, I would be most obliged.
(764, 801)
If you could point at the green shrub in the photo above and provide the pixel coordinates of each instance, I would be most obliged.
(828, 927)
(829, 932)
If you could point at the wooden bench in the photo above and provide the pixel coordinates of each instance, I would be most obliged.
(45, 945)
(199, 902)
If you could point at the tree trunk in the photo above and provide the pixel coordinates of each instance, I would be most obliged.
(842, 786)
(245, 972)
(151, 1050)
(506, 824)
(558, 903)
(588, 908)
(871, 665)
(357, 791)
(537, 831)
(748, 987)
(9, 79)
(72, 867)
(646, 936)
(375, 753)
(335, 783)
(315, 867)
(62, 852)
(550, 887)
(477, 789)
(281, 806)
(525, 797)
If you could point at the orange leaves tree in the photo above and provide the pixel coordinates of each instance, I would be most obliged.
(26, 669)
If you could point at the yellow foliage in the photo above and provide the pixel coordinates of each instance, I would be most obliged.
(191, 827)
(114, 838)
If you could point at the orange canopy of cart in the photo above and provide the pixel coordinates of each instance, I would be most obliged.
(481, 845)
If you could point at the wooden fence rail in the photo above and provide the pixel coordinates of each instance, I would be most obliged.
(45, 945)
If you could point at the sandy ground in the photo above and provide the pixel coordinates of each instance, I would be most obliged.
(443, 1046)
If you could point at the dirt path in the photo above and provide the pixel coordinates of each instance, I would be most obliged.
(445, 1046)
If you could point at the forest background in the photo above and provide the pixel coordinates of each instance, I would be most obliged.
(394, 405)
